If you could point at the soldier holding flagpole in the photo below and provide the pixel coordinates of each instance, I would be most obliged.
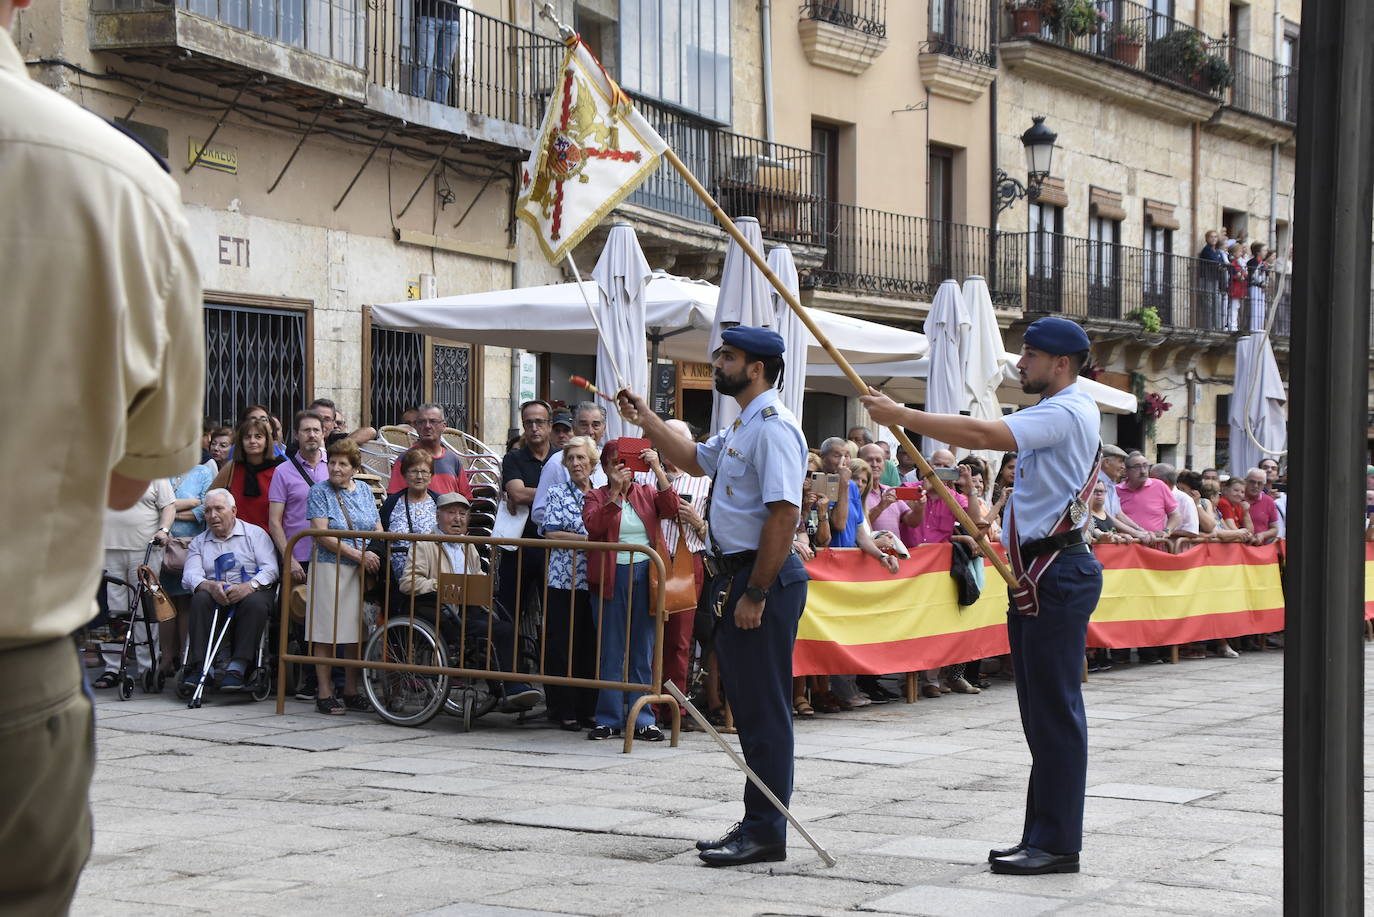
(1058, 454)
(757, 464)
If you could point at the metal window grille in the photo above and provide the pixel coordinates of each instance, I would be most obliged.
(453, 384)
(254, 356)
(398, 374)
(963, 29)
(869, 16)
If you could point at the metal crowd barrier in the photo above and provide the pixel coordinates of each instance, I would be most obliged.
(411, 637)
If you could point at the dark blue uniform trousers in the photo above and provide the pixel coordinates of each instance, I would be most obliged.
(1047, 652)
(756, 670)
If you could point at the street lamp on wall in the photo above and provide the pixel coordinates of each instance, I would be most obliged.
(1039, 142)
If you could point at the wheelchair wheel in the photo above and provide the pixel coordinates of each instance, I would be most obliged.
(468, 705)
(260, 684)
(405, 698)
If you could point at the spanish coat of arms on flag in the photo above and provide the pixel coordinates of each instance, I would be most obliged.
(592, 151)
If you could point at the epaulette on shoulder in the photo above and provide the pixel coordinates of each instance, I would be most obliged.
(769, 413)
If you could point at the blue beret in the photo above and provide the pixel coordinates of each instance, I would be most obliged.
(1056, 335)
(761, 342)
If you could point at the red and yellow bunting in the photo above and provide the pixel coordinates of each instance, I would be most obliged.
(861, 620)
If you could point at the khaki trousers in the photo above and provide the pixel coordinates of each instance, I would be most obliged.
(47, 754)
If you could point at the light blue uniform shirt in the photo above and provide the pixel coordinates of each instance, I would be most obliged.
(1056, 444)
(759, 461)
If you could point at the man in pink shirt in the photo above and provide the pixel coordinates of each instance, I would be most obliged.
(1148, 501)
(1264, 512)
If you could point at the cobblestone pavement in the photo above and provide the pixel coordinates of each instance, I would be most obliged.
(231, 809)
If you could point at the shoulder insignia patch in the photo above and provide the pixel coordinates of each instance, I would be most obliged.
(769, 412)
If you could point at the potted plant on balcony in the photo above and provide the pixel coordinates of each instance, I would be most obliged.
(1073, 17)
(1126, 39)
(1025, 16)
(1216, 73)
(1148, 317)
(1182, 56)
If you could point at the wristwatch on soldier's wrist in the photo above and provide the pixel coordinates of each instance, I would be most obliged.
(755, 594)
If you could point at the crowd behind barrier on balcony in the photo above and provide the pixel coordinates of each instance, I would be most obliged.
(1233, 285)
(560, 470)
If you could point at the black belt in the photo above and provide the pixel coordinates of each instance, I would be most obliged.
(730, 564)
(1048, 545)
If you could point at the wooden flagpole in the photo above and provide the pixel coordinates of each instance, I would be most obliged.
(927, 473)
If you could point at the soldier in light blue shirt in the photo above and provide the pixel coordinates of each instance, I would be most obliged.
(757, 465)
(1056, 442)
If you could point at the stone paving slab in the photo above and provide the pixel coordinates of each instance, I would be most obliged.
(232, 809)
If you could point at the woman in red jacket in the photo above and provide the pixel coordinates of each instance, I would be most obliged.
(623, 511)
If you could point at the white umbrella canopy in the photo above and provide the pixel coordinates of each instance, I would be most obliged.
(678, 310)
(554, 318)
(983, 367)
(1258, 405)
(947, 329)
(621, 275)
(905, 381)
(793, 332)
(745, 299)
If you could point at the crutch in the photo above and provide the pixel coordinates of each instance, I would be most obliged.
(748, 772)
(211, 653)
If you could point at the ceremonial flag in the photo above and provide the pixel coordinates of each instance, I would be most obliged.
(592, 151)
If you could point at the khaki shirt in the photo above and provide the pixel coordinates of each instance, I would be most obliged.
(102, 357)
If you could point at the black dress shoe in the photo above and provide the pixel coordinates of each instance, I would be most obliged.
(999, 853)
(1031, 861)
(725, 839)
(743, 849)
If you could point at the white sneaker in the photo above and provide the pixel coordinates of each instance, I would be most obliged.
(859, 700)
(1227, 653)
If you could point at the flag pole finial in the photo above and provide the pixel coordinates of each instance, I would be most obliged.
(547, 12)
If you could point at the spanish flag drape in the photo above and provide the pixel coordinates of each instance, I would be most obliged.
(859, 619)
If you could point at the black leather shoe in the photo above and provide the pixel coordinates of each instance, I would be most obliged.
(1031, 861)
(743, 850)
(1002, 852)
(725, 839)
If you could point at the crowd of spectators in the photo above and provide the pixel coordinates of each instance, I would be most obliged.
(226, 524)
(1235, 278)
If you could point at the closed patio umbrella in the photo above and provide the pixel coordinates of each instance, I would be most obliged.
(983, 361)
(1258, 405)
(745, 299)
(621, 275)
(947, 330)
(793, 332)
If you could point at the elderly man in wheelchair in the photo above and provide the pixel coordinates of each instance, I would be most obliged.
(230, 570)
(451, 576)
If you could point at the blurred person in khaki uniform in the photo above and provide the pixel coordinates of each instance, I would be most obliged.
(103, 357)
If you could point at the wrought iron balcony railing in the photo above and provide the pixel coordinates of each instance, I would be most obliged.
(438, 50)
(892, 254)
(747, 175)
(1088, 279)
(1262, 86)
(868, 16)
(963, 29)
(1134, 36)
